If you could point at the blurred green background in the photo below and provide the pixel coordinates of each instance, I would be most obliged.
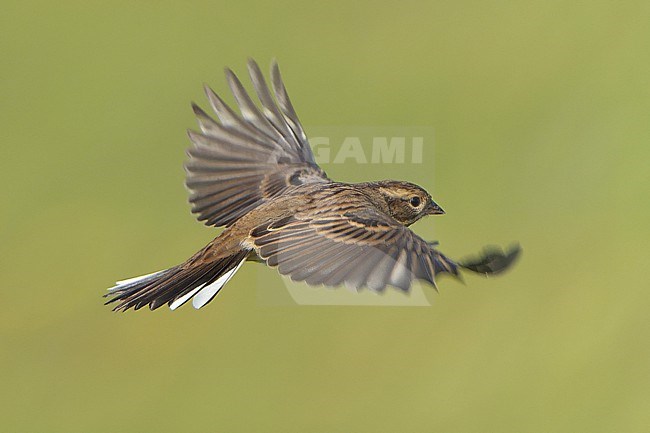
(540, 111)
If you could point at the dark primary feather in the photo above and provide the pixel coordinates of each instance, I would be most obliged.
(241, 161)
(492, 260)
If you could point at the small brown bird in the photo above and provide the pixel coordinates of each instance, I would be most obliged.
(255, 175)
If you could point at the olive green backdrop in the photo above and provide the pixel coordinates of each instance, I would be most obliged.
(540, 112)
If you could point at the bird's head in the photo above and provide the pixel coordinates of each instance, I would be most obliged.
(407, 202)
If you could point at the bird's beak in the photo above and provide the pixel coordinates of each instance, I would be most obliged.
(433, 209)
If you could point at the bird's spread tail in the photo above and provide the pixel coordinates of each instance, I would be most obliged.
(200, 280)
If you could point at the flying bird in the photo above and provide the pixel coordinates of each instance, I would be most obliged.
(254, 174)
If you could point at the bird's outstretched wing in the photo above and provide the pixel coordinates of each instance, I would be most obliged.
(242, 160)
(357, 248)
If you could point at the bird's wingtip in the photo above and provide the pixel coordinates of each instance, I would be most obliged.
(493, 260)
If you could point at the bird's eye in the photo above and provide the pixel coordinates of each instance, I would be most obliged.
(415, 201)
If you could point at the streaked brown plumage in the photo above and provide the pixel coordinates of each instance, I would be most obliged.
(255, 175)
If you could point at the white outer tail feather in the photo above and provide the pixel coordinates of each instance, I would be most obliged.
(130, 281)
(183, 299)
(209, 291)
